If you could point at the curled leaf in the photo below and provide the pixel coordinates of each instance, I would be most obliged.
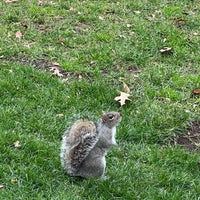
(166, 50)
(126, 88)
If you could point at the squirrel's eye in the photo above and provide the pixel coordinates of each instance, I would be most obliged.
(110, 117)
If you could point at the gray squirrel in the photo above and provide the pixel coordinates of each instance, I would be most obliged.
(84, 146)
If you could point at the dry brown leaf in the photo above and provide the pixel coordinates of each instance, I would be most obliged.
(65, 80)
(18, 34)
(56, 71)
(126, 88)
(80, 76)
(92, 62)
(16, 144)
(71, 8)
(196, 92)
(122, 36)
(14, 180)
(60, 115)
(60, 39)
(129, 25)
(137, 12)
(166, 50)
(195, 34)
(122, 98)
(165, 40)
(180, 20)
(151, 17)
(187, 111)
(101, 18)
(28, 45)
(56, 64)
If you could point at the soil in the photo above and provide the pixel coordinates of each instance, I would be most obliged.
(191, 139)
(47, 66)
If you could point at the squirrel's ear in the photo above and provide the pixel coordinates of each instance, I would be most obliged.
(102, 117)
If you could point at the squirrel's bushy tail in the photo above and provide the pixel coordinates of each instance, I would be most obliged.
(76, 145)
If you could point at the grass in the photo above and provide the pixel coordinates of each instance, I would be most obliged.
(99, 42)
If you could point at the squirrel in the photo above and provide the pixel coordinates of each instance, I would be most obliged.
(84, 146)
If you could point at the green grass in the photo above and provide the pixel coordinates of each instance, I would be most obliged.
(101, 41)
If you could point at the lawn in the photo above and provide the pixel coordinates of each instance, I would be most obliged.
(64, 60)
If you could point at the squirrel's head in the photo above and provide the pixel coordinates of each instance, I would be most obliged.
(111, 119)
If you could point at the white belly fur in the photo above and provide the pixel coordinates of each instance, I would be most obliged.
(113, 135)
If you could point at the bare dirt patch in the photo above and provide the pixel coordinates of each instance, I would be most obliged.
(45, 65)
(189, 140)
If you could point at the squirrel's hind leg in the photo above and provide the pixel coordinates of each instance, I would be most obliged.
(92, 168)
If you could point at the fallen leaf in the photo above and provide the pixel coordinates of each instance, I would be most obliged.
(129, 25)
(61, 41)
(56, 64)
(165, 40)
(158, 12)
(151, 17)
(122, 36)
(28, 45)
(196, 92)
(80, 76)
(131, 33)
(92, 62)
(189, 12)
(14, 180)
(179, 20)
(56, 71)
(18, 34)
(59, 115)
(71, 8)
(10, 1)
(195, 34)
(137, 12)
(166, 50)
(109, 11)
(16, 144)
(101, 18)
(187, 111)
(126, 88)
(65, 80)
(122, 98)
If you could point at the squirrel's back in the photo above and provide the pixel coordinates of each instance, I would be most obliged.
(76, 144)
